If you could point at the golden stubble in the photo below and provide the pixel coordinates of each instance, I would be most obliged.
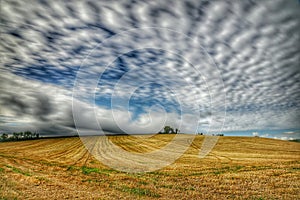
(237, 168)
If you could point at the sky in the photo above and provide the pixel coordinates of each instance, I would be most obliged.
(132, 67)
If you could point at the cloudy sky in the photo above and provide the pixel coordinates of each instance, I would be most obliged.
(135, 66)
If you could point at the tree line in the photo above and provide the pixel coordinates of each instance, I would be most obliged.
(218, 134)
(27, 135)
(169, 130)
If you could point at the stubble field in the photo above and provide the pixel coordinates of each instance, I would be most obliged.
(237, 168)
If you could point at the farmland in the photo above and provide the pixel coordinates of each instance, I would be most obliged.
(237, 168)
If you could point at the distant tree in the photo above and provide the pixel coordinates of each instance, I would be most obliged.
(28, 135)
(172, 130)
(21, 135)
(35, 135)
(4, 136)
(167, 129)
(16, 136)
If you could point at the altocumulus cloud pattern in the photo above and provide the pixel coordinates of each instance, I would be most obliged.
(253, 44)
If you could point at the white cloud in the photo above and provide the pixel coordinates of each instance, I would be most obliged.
(255, 133)
(252, 43)
(289, 132)
(284, 138)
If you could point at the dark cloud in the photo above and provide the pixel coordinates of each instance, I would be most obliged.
(15, 103)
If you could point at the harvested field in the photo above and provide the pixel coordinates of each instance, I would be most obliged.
(237, 168)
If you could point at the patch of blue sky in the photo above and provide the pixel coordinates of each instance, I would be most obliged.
(49, 74)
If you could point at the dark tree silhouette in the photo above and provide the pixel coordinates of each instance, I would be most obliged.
(169, 129)
(4, 136)
(16, 136)
(27, 135)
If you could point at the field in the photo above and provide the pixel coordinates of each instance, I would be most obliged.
(237, 168)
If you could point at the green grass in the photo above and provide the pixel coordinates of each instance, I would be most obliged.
(14, 169)
(138, 191)
(1, 169)
(88, 170)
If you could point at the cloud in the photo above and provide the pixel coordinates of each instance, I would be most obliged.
(255, 134)
(164, 56)
(31, 105)
(277, 134)
(284, 138)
